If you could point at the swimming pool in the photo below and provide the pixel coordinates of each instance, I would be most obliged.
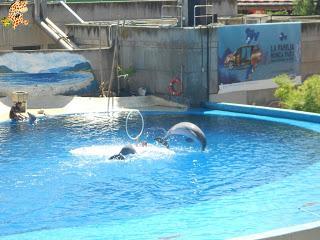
(57, 182)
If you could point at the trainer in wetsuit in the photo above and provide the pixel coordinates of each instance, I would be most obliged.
(127, 150)
(14, 112)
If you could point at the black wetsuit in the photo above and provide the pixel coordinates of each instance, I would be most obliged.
(13, 113)
(126, 150)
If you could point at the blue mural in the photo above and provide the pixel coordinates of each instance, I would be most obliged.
(256, 52)
(46, 74)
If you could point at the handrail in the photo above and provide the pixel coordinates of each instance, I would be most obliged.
(201, 16)
(40, 17)
(172, 6)
(56, 36)
(72, 12)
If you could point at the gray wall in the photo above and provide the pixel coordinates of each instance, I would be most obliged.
(106, 11)
(90, 35)
(159, 55)
(225, 7)
(101, 62)
(310, 45)
(30, 35)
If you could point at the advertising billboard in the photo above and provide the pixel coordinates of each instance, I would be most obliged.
(258, 52)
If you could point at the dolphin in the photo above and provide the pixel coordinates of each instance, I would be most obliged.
(187, 129)
(126, 150)
(32, 118)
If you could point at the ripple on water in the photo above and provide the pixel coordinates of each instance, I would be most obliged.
(56, 174)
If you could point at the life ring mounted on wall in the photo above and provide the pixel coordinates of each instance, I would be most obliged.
(175, 87)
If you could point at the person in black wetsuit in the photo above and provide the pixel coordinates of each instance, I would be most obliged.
(127, 150)
(14, 112)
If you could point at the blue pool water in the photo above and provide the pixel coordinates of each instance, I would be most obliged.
(57, 182)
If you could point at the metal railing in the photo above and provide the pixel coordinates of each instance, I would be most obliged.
(206, 15)
(71, 11)
(178, 7)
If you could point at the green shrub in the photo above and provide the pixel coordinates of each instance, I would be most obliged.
(304, 97)
(280, 13)
(123, 71)
(311, 90)
(303, 7)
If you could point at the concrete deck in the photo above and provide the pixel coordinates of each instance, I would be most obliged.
(55, 105)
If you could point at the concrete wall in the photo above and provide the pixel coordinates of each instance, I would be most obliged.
(159, 55)
(261, 97)
(91, 35)
(225, 7)
(106, 11)
(310, 45)
(110, 11)
(101, 62)
(30, 35)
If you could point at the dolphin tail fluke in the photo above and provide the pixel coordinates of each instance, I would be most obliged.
(163, 141)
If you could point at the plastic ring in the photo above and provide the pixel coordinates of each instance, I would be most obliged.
(142, 127)
(175, 82)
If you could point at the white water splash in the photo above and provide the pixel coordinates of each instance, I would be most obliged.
(151, 152)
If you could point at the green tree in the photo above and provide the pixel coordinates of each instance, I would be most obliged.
(317, 10)
(304, 97)
(304, 7)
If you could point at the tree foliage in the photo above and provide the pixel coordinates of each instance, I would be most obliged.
(126, 71)
(304, 97)
(304, 7)
(317, 10)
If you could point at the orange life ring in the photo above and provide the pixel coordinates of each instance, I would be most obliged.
(175, 87)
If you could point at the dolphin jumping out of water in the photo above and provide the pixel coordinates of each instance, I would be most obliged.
(187, 129)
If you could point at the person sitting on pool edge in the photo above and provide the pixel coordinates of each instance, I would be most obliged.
(15, 112)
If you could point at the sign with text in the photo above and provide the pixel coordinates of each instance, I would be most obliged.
(257, 52)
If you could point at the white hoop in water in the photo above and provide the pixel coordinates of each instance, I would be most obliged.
(142, 126)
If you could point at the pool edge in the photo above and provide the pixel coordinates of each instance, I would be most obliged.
(264, 111)
(307, 231)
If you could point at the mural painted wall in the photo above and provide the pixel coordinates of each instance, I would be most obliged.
(256, 52)
(46, 74)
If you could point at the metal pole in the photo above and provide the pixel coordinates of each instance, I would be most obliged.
(194, 16)
(181, 17)
(101, 73)
(72, 12)
(181, 78)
